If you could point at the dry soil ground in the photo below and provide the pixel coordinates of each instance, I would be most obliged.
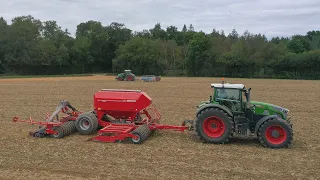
(166, 154)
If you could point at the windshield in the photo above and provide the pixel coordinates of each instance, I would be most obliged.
(228, 94)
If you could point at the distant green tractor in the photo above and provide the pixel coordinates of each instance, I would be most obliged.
(126, 76)
(230, 112)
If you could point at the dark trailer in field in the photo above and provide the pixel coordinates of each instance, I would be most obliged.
(150, 78)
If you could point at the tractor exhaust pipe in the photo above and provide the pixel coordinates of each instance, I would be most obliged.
(247, 93)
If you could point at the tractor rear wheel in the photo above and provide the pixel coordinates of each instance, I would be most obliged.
(87, 123)
(129, 78)
(275, 133)
(214, 125)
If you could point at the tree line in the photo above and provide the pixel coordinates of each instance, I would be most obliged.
(30, 46)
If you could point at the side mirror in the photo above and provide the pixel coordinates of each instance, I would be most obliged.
(249, 89)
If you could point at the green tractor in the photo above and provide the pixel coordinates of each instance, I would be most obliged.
(126, 76)
(230, 111)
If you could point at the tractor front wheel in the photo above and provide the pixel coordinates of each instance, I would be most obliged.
(87, 123)
(120, 78)
(275, 133)
(214, 125)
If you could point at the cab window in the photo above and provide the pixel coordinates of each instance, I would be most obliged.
(227, 94)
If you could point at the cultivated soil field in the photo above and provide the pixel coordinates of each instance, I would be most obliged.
(166, 154)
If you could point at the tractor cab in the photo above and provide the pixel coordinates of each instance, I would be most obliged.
(234, 96)
(127, 71)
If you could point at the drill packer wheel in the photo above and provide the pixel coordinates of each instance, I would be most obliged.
(87, 123)
(65, 129)
(142, 132)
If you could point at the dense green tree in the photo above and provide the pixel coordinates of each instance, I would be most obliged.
(158, 33)
(141, 55)
(315, 42)
(3, 43)
(197, 53)
(233, 35)
(23, 37)
(299, 44)
(118, 34)
(29, 46)
(184, 28)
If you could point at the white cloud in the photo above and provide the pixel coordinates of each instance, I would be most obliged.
(272, 17)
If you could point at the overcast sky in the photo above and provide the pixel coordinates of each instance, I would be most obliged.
(269, 17)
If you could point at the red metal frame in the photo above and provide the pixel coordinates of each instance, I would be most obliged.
(114, 132)
(151, 115)
(50, 124)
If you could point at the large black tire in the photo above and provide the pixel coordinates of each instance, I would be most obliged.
(87, 123)
(120, 78)
(142, 132)
(68, 127)
(274, 133)
(213, 125)
(130, 78)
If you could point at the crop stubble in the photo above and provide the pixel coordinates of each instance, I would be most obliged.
(166, 154)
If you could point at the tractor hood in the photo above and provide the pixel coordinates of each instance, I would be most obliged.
(264, 105)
